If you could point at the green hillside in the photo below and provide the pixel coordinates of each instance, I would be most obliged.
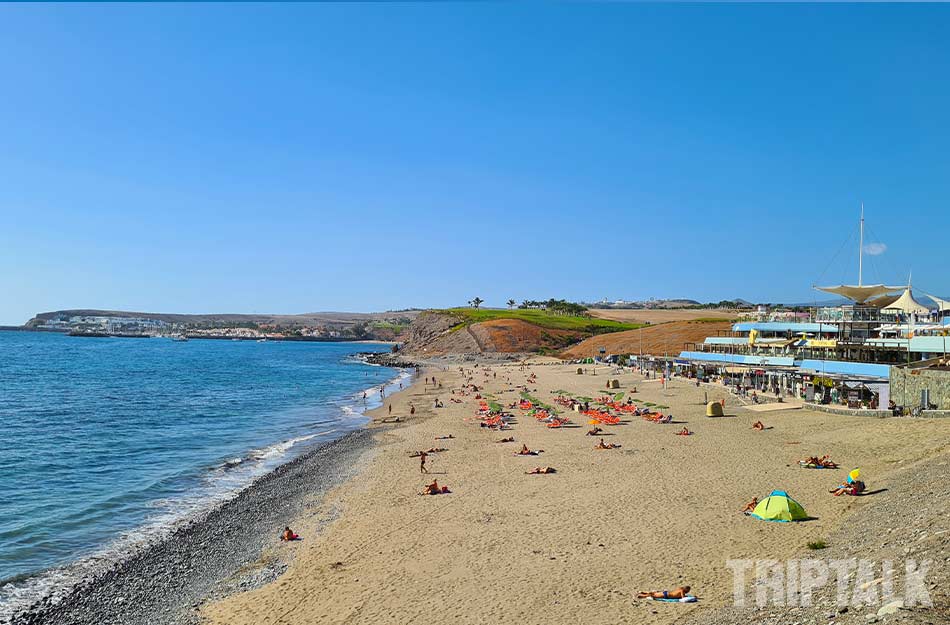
(542, 318)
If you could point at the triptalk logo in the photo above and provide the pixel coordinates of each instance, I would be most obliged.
(858, 582)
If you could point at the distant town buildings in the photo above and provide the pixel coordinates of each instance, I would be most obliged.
(99, 325)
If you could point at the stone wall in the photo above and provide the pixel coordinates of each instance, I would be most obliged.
(853, 412)
(906, 384)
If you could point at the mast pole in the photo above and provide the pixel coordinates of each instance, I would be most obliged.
(861, 250)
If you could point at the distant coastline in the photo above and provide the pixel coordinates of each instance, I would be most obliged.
(316, 327)
(221, 337)
(29, 329)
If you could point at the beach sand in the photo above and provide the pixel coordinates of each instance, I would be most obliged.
(575, 546)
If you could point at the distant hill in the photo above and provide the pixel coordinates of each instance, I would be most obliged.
(663, 338)
(653, 303)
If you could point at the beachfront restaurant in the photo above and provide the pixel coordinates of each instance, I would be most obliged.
(851, 384)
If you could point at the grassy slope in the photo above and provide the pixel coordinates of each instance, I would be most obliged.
(544, 319)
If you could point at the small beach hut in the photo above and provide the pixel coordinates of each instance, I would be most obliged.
(778, 506)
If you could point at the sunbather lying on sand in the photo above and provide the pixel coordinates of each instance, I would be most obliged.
(749, 507)
(442, 438)
(824, 461)
(510, 439)
(541, 470)
(594, 431)
(435, 489)
(758, 425)
(524, 451)
(679, 593)
(288, 535)
(435, 450)
(603, 445)
(684, 432)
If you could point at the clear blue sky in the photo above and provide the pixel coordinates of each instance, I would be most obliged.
(294, 158)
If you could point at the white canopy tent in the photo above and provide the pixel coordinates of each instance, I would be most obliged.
(907, 304)
(859, 293)
(942, 304)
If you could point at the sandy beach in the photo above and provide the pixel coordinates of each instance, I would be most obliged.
(575, 546)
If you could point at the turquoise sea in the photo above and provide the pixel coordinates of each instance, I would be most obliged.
(108, 442)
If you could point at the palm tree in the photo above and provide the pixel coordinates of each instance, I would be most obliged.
(511, 303)
(476, 302)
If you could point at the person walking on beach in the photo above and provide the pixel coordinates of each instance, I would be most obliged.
(422, 462)
(412, 409)
(390, 408)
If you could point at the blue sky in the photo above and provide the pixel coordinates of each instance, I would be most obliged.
(294, 158)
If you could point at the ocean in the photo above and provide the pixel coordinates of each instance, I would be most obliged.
(107, 443)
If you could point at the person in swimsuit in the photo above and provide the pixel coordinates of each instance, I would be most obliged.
(750, 507)
(684, 432)
(758, 425)
(422, 462)
(435, 489)
(603, 445)
(541, 471)
(288, 535)
(854, 488)
(594, 431)
(679, 593)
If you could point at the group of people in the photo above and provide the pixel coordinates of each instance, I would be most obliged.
(434, 488)
(849, 487)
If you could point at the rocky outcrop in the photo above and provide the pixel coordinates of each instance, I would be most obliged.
(436, 334)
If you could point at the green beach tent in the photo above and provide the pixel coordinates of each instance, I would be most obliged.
(778, 506)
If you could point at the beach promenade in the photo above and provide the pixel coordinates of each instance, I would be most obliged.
(575, 546)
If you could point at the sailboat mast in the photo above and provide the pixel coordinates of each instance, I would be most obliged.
(861, 250)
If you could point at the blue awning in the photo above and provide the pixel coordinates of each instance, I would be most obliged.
(861, 369)
(867, 369)
(741, 359)
(781, 326)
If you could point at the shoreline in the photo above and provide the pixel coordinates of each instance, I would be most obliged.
(210, 553)
(217, 337)
(214, 552)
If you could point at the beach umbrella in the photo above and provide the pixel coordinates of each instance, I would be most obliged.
(854, 475)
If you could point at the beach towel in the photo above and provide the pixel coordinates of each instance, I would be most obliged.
(686, 599)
